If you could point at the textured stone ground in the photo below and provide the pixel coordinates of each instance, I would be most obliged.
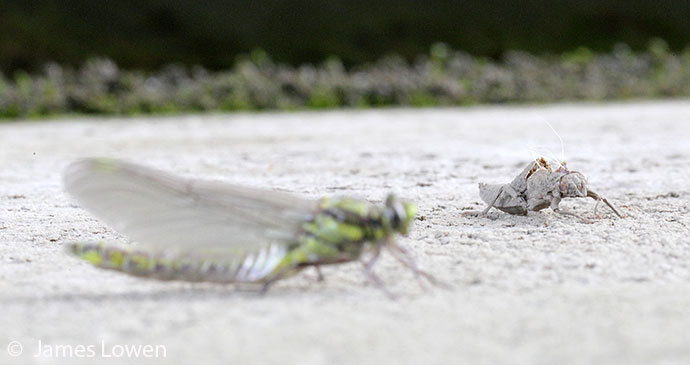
(540, 289)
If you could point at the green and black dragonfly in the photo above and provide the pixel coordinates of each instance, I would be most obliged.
(195, 230)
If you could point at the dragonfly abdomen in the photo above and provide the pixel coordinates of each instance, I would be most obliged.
(248, 268)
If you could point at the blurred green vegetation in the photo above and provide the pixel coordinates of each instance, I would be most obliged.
(148, 34)
(441, 76)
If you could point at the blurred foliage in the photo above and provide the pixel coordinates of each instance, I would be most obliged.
(147, 34)
(441, 77)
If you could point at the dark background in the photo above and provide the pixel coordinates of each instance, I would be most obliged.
(149, 33)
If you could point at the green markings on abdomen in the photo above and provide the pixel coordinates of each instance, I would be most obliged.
(131, 262)
(144, 264)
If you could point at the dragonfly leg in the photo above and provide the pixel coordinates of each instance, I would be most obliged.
(476, 213)
(319, 274)
(266, 286)
(556, 208)
(566, 212)
(281, 274)
(368, 270)
(596, 206)
(406, 260)
(599, 199)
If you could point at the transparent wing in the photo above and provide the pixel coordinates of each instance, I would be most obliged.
(178, 216)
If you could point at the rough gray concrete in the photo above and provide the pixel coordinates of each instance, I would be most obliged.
(540, 289)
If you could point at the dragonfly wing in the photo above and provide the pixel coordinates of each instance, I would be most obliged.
(176, 216)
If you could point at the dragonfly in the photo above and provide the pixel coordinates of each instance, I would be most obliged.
(209, 231)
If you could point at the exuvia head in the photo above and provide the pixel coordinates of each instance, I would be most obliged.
(398, 215)
(573, 185)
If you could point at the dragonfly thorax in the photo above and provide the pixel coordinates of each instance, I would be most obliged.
(341, 221)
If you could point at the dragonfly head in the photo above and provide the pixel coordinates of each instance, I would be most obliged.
(573, 185)
(398, 215)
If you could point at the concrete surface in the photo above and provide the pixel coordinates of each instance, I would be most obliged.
(540, 289)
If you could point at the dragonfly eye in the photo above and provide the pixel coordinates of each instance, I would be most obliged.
(410, 214)
(393, 212)
(395, 221)
(400, 214)
(581, 185)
